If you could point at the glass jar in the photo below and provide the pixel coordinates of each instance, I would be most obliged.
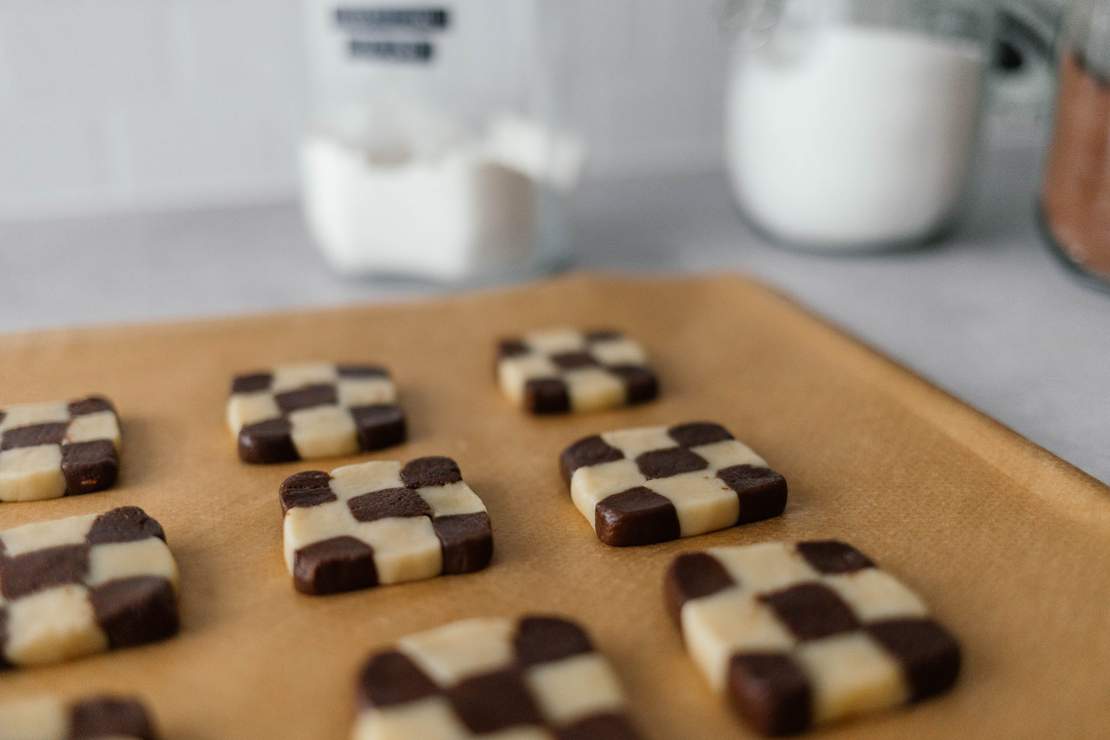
(435, 146)
(851, 124)
(1075, 196)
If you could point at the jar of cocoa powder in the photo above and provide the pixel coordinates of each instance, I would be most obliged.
(1075, 198)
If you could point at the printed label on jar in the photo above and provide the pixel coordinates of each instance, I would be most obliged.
(398, 51)
(391, 34)
(380, 19)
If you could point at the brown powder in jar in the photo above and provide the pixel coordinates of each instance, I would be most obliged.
(1076, 196)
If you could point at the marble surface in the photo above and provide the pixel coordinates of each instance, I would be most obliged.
(989, 316)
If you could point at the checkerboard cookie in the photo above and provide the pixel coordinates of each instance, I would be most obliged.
(48, 450)
(803, 634)
(654, 484)
(380, 523)
(301, 412)
(532, 678)
(564, 370)
(99, 717)
(85, 584)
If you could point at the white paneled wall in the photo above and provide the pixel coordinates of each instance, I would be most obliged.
(110, 105)
(652, 75)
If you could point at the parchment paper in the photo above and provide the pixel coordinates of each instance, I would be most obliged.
(1008, 544)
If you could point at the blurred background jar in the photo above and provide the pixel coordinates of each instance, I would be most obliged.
(852, 125)
(1075, 200)
(436, 149)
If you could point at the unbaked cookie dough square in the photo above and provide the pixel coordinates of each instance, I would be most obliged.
(61, 448)
(560, 371)
(307, 411)
(89, 718)
(85, 584)
(534, 678)
(380, 523)
(802, 634)
(654, 484)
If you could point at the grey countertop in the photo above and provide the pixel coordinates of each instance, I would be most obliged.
(988, 316)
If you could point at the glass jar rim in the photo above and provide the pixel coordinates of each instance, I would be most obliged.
(955, 17)
(1087, 35)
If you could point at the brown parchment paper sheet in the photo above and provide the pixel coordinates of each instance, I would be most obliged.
(1008, 544)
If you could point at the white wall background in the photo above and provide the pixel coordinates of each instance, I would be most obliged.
(109, 105)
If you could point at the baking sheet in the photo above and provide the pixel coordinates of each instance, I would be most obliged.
(1008, 544)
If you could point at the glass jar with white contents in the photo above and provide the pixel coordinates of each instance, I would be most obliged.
(435, 147)
(852, 124)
